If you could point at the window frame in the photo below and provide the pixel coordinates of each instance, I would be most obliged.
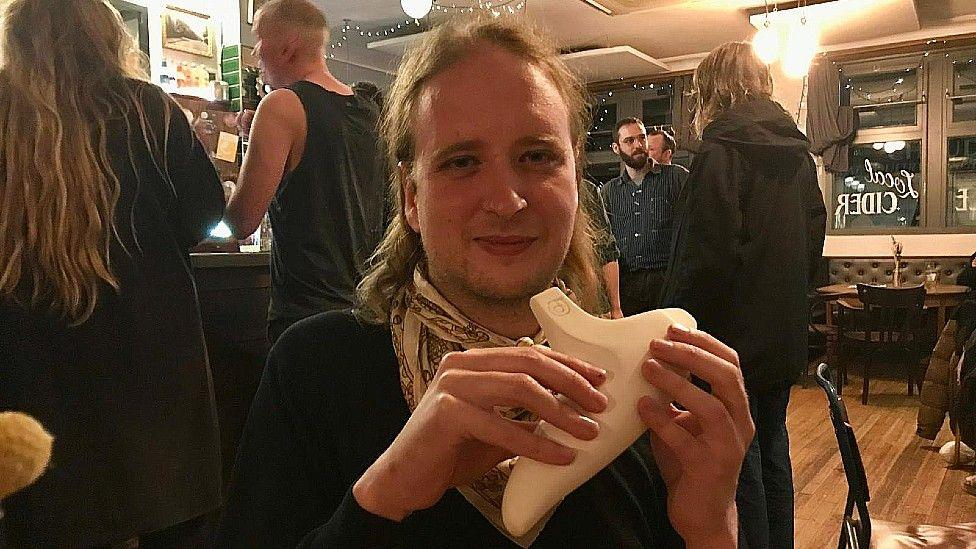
(934, 128)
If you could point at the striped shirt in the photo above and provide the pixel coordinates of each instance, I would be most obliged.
(642, 215)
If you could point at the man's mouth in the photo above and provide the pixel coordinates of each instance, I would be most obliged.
(505, 245)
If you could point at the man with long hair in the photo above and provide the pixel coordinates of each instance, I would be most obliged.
(389, 425)
(747, 245)
(103, 189)
(312, 157)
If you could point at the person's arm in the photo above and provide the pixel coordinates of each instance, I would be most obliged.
(611, 274)
(607, 251)
(816, 222)
(277, 125)
(195, 183)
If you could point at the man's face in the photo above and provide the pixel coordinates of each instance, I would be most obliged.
(656, 150)
(631, 145)
(273, 51)
(493, 190)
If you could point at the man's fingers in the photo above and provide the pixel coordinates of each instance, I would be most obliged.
(698, 338)
(665, 428)
(724, 377)
(710, 412)
(492, 429)
(489, 389)
(562, 376)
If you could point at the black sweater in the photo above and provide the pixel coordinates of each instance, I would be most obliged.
(330, 403)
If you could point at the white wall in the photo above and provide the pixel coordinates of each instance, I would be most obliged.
(913, 245)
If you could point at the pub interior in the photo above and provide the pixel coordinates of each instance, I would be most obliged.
(883, 90)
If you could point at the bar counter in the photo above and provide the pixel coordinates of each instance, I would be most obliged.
(233, 289)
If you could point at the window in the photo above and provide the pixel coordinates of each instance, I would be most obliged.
(657, 110)
(651, 102)
(963, 90)
(959, 158)
(883, 99)
(600, 136)
(882, 187)
(961, 168)
(913, 158)
(599, 174)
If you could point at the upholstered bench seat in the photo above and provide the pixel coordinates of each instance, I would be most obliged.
(878, 271)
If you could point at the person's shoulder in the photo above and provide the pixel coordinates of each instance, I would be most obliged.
(282, 104)
(677, 169)
(323, 345)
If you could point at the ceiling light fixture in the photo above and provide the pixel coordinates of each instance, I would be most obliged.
(418, 9)
(766, 42)
(801, 47)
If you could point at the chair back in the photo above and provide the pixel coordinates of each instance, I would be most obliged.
(892, 313)
(857, 482)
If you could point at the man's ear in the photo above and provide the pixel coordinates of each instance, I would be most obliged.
(292, 47)
(615, 148)
(409, 187)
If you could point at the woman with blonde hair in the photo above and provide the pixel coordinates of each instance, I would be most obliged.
(103, 189)
(747, 244)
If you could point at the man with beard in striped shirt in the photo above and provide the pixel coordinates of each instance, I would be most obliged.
(641, 203)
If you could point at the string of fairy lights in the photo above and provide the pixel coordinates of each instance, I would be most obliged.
(413, 25)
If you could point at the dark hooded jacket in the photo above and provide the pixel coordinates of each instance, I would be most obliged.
(748, 240)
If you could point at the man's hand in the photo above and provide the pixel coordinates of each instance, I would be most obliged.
(455, 435)
(699, 451)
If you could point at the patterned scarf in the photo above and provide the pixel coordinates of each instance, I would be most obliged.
(425, 327)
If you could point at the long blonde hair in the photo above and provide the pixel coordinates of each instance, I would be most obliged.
(729, 74)
(64, 63)
(400, 250)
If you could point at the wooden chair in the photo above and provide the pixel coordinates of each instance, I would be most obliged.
(857, 529)
(891, 321)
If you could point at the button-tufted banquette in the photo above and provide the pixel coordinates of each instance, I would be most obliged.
(878, 271)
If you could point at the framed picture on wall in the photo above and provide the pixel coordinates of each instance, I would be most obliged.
(252, 8)
(188, 31)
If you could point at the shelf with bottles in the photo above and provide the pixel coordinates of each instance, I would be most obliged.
(189, 78)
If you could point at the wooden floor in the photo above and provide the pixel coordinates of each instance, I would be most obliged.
(909, 480)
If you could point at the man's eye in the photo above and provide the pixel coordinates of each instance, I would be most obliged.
(460, 163)
(539, 157)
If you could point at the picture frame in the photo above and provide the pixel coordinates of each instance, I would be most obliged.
(252, 8)
(188, 31)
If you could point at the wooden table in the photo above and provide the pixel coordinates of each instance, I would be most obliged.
(940, 296)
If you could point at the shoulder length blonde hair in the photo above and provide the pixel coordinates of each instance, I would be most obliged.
(62, 79)
(400, 251)
(731, 73)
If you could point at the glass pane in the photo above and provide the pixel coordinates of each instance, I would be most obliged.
(872, 91)
(962, 181)
(601, 173)
(882, 188)
(656, 109)
(964, 84)
(600, 135)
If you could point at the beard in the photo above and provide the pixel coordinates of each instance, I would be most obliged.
(636, 161)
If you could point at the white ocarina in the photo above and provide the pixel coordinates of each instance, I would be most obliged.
(618, 346)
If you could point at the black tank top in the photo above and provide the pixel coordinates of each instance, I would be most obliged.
(327, 214)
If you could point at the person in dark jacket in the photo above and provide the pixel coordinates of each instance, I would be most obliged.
(967, 276)
(748, 240)
(104, 188)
